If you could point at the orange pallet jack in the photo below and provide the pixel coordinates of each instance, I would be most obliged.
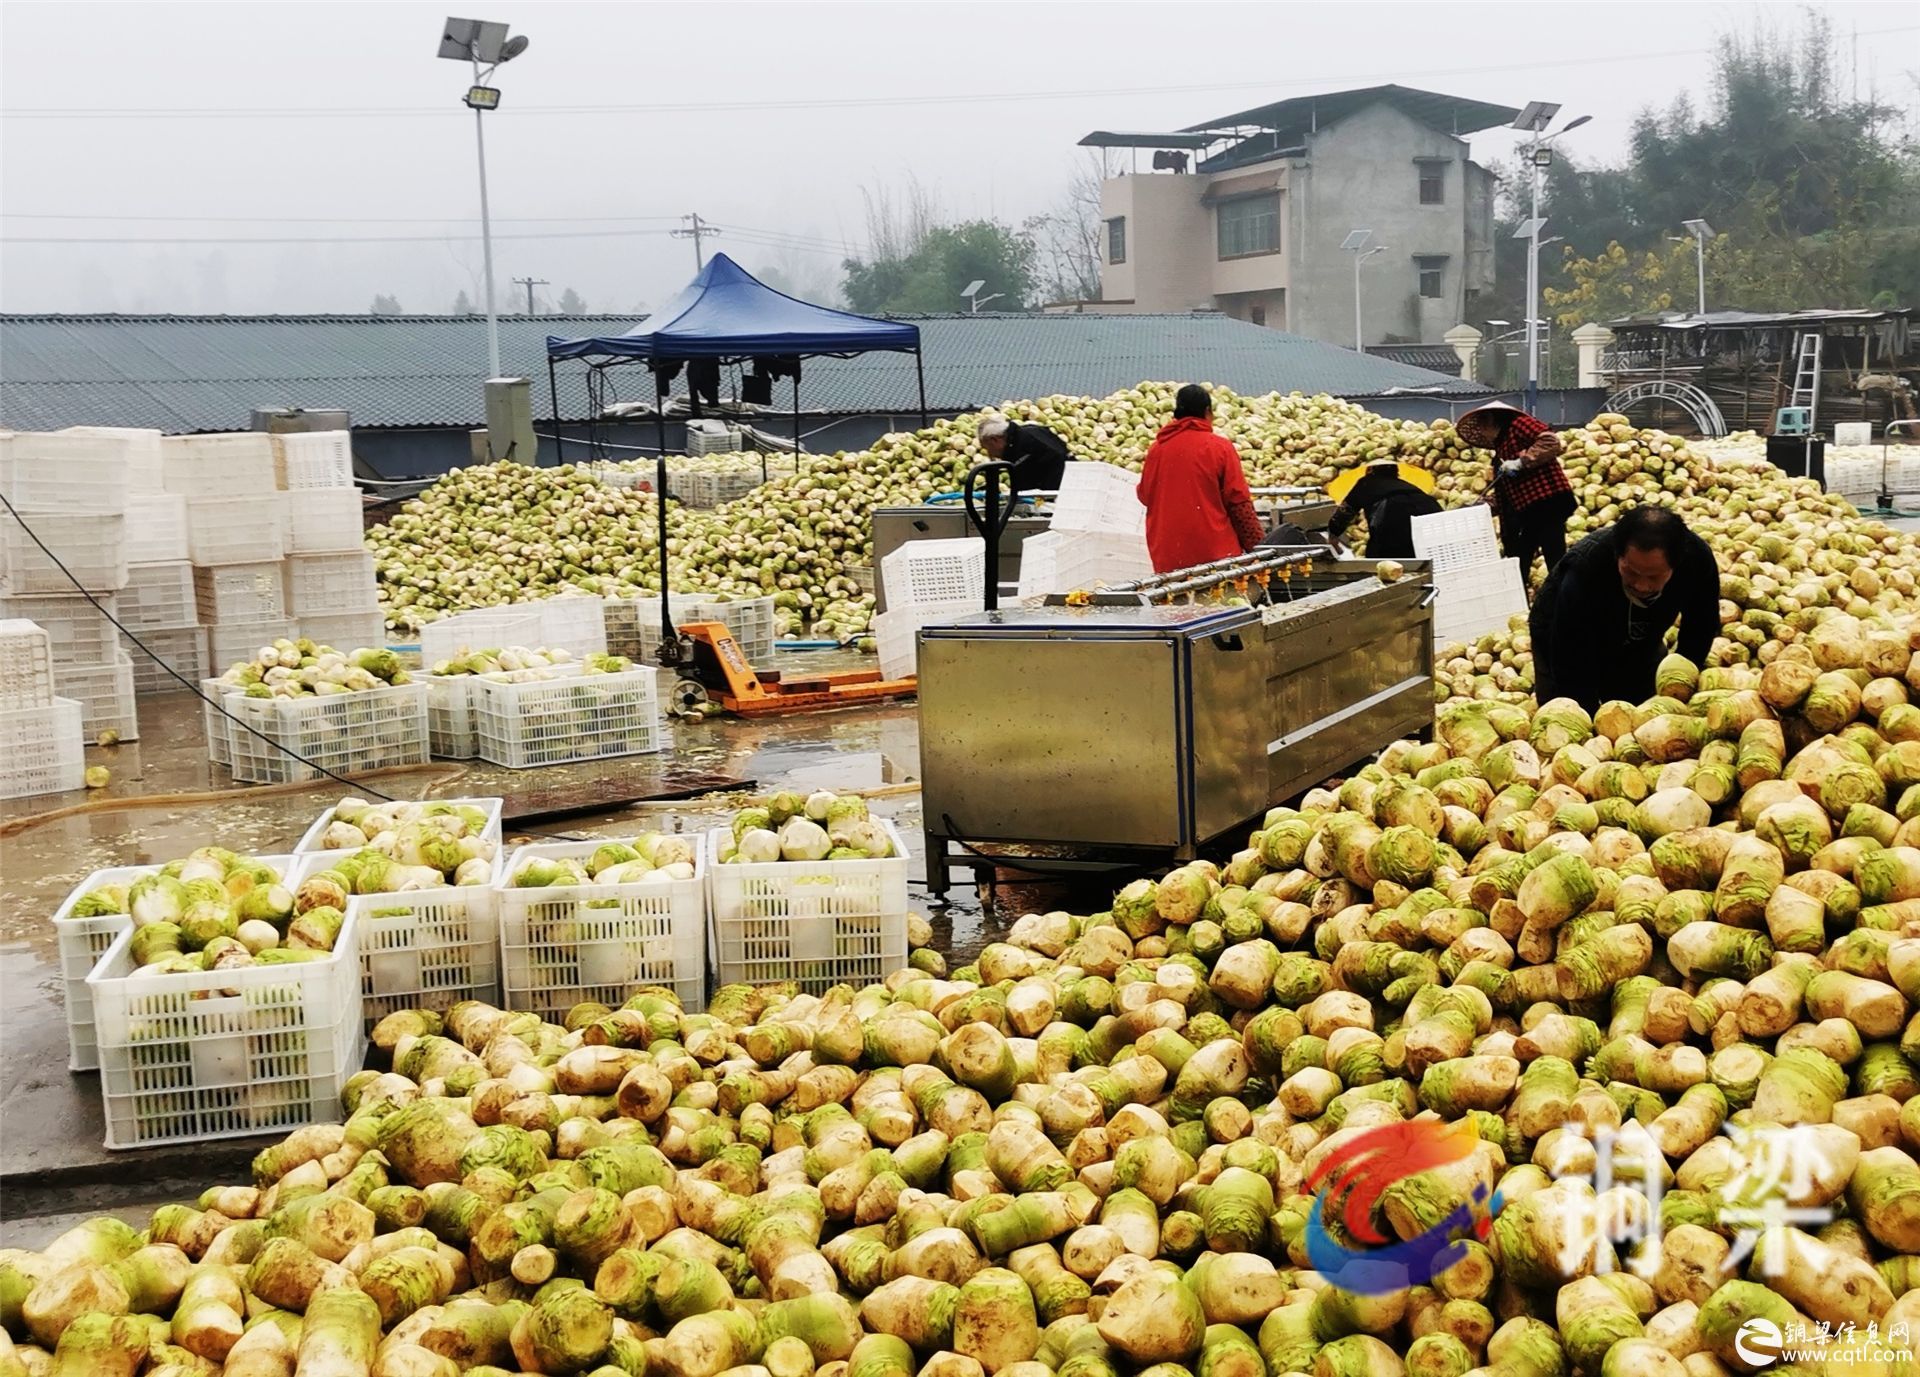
(718, 672)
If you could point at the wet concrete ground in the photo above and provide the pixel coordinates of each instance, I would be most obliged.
(51, 1156)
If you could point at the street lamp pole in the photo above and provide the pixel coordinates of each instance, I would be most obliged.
(1701, 232)
(1535, 119)
(486, 234)
(484, 44)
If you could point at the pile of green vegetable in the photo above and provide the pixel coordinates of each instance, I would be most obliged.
(821, 826)
(404, 846)
(1668, 927)
(216, 910)
(650, 858)
(302, 669)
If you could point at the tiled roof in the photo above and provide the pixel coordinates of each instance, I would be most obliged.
(201, 373)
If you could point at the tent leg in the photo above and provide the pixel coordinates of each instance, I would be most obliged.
(920, 372)
(669, 637)
(553, 395)
(796, 423)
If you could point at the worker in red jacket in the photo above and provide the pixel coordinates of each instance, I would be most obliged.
(1199, 508)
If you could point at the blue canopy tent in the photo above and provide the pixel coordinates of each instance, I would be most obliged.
(726, 315)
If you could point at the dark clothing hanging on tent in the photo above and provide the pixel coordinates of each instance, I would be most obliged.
(756, 388)
(703, 381)
(1039, 457)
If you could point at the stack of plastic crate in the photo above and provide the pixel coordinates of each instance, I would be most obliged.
(565, 719)
(926, 581)
(63, 562)
(41, 749)
(1478, 590)
(236, 538)
(1098, 534)
(159, 606)
(633, 624)
(331, 590)
(450, 732)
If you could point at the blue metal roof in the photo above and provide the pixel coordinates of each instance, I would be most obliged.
(207, 373)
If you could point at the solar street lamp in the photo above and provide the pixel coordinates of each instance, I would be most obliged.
(483, 43)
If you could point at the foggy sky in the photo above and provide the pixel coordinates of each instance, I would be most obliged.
(783, 183)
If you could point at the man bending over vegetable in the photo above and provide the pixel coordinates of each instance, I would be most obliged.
(1600, 621)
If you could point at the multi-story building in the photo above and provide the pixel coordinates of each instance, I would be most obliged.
(1247, 214)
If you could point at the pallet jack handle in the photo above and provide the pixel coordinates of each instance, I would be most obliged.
(993, 521)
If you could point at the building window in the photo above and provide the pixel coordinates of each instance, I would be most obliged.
(1117, 239)
(1433, 274)
(1433, 183)
(1250, 225)
(1256, 315)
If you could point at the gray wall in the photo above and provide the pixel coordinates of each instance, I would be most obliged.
(1361, 173)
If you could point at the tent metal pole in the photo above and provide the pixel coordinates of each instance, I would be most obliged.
(669, 638)
(796, 422)
(553, 395)
(920, 372)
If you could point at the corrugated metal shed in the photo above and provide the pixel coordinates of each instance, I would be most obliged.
(202, 373)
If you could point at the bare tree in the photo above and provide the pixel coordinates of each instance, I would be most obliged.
(895, 230)
(1068, 237)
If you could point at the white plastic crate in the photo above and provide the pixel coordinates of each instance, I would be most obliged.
(182, 647)
(572, 622)
(78, 632)
(554, 722)
(425, 948)
(228, 643)
(489, 628)
(42, 750)
(1477, 599)
(326, 585)
(143, 455)
(1455, 539)
(450, 734)
(633, 624)
(236, 530)
(159, 596)
(322, 520)
(26, 665)
(935, 571)
(1099, 497)
(53, 471)
(896, 634)
(346, 631)
(240, 592)
(217, 466)
(343, 732)
(563, 946)
(1062, 561)
(156, 529)
(229, 1053)
(83, 941)
(91, 545)
(313, 459)
(822, 923)
(218, 728)
(1850, 433)
(105, 695)
(450, 730)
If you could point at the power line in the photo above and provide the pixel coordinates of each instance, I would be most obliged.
(758, 238)
(696, 230)
(706, 107)
(530, 283)
(342, 219)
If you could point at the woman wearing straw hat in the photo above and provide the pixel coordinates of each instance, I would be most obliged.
(1529, 493)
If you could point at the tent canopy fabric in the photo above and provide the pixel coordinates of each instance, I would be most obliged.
(727, 313)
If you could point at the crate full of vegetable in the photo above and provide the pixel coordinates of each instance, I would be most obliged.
(808, 888)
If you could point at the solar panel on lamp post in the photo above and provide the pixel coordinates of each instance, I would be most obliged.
(1701, 232)
(483, 43)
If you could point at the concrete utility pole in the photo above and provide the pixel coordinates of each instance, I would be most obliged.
(530, 283)
(696, 230)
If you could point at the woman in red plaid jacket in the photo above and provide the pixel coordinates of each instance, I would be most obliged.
(1529, 493)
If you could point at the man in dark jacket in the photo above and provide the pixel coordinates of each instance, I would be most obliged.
(1600, 620)
(1039, 457)
(1389, 503)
